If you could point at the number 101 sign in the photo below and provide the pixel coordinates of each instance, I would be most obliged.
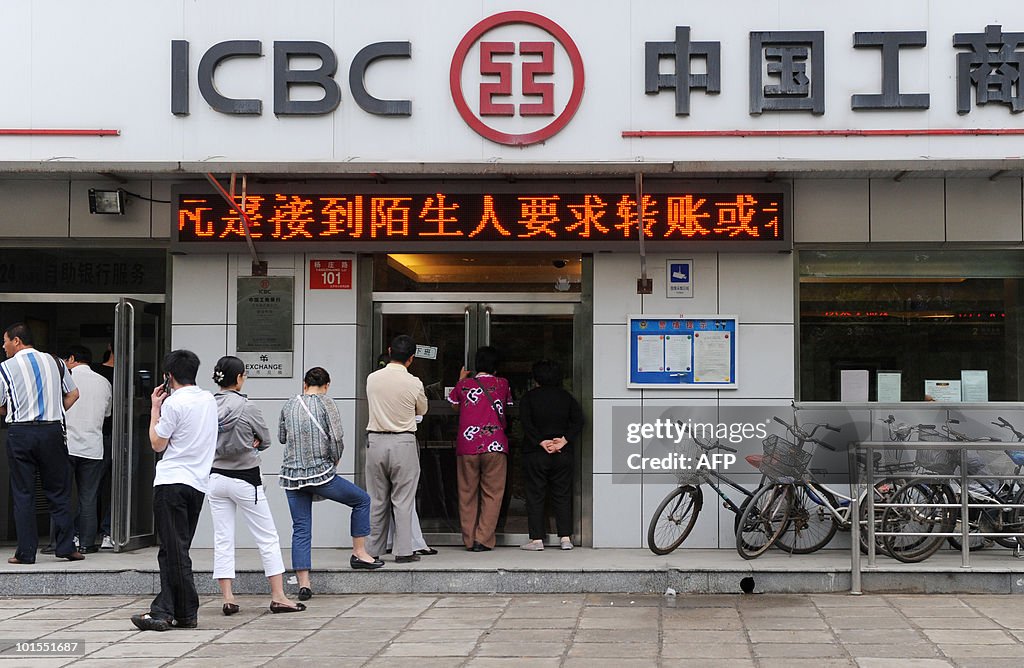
(330, 274)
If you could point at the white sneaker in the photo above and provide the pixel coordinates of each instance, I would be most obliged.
(532, 546)
(566, 544)
(107, 544)
(77, 546)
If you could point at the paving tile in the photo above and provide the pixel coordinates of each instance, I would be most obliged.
(134, 662)
(864, 611)
(613, 650)
(489, 614)
(953, 623)
(876, 636)
(826, 662)
(542, 649)
(612, 635)
(468, 624)
(872, 662)
(36, 662)
(245, 635)
(229, 650)
(457, 635)
(318, 662)
(699, 663)
(790, 624)
(624, 600)
(614, 623)
(982, 663)
(797, 650)
(368, 623)
(764, 635)
(538, 612)
(500, 662)
(429, 649)
(958, 652)
(702, 651)
(332, 649)
(973, 637)
(240, 662)
(148, 649)
(1010, 621)
(938, 611)
(621, 612)
(868, 623)
(527, 635)
(704, 637)
(472, 602)
(899, 651)
(847, 601)
(287, 621)
(516, 623)
(675, 624)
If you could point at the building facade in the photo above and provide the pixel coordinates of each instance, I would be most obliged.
(844, 183)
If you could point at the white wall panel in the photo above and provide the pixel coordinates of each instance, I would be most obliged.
(332, 347)
(705, 279)
(615, 294)
(830, 210)
(757, 287)
(908, 210)
(765, 364)
(610, 362)
(328, 307)
(984, 210)
(618, 514)
(209, 342)
(199, 289)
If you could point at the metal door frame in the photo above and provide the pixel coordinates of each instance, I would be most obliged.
(121, 475)
(477, 309)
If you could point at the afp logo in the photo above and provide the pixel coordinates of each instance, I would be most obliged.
(517, 78)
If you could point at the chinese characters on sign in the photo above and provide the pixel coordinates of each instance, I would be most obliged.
(580, 217)
(787, 69)
(330, 274)
(266, 313)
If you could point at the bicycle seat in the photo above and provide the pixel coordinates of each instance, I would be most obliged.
(754, 460)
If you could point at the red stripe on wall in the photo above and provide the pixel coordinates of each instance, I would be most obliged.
(59, 133)
(932, 132)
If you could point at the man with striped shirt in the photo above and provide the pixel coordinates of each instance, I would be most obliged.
(35, 390)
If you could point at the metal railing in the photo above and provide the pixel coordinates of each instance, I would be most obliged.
(865, 478)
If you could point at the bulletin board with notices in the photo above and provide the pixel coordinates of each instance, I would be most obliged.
(679, 351)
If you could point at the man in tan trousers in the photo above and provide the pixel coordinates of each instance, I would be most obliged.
(395, 398)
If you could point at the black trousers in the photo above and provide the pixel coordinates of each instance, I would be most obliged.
(548, 474)
(32, 448)
(176, 514)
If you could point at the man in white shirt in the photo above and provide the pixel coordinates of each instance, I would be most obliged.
(85, 440)
(183, 427)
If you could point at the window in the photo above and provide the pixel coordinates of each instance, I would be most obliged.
(927, 314)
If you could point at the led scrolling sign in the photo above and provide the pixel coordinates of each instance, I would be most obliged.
(603, 219)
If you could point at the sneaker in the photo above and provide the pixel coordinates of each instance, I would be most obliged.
(107, 544)
(77, 546)
(566, 544)
(532, 546)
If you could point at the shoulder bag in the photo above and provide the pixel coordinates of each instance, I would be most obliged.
(490, 398)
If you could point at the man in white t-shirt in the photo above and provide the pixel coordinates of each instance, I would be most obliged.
(183, 427)
(85, 440)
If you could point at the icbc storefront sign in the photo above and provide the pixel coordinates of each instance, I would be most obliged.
(592, 219)
(330, 274)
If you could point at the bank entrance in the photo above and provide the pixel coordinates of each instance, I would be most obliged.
(524, 326)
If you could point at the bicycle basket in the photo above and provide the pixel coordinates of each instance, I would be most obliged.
(691, 452)
(783, 460)
(936, 461)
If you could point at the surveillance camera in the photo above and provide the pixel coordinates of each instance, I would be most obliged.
(559, 264)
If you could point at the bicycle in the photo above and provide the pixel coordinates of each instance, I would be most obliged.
(677, 513)
(769, 511)
(927, 505)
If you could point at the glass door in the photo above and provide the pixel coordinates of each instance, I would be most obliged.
(137, 348)
(450, 333)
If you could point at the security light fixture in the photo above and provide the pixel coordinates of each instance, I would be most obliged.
(106, 201)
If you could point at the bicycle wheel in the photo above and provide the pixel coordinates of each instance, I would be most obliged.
(979, 523)
(674, 519)
(810, 525)
(916, 517)
(1013, 522)
(763, 520)
(883, 492)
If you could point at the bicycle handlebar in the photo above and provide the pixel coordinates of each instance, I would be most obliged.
(822, 444)
(1003, 424)
(807, 436)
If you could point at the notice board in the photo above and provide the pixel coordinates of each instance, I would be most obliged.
(682, 351)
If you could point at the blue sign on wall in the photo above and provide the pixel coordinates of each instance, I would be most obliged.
(679, 278)
(671, 351)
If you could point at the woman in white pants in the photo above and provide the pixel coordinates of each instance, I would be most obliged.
(235, 484)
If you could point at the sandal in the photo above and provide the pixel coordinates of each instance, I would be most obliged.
(230, 609)
(276, 607)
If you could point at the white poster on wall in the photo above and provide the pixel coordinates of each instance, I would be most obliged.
(974, 385)
(889, 384)
(853, 385)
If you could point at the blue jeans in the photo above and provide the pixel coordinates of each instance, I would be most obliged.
(300, 504)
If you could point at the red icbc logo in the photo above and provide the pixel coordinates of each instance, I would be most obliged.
(517, 106)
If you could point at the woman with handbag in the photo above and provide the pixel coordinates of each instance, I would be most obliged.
(236, 485)
(481, 448)
(310, 429)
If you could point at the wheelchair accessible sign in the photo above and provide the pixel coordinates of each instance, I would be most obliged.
(679, 280)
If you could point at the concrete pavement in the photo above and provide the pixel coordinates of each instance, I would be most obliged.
(592, 630)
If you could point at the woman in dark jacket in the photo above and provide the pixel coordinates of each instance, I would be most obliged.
(236, 484)
(552, 423)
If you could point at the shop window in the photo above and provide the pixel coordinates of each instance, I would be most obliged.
(929, 315)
